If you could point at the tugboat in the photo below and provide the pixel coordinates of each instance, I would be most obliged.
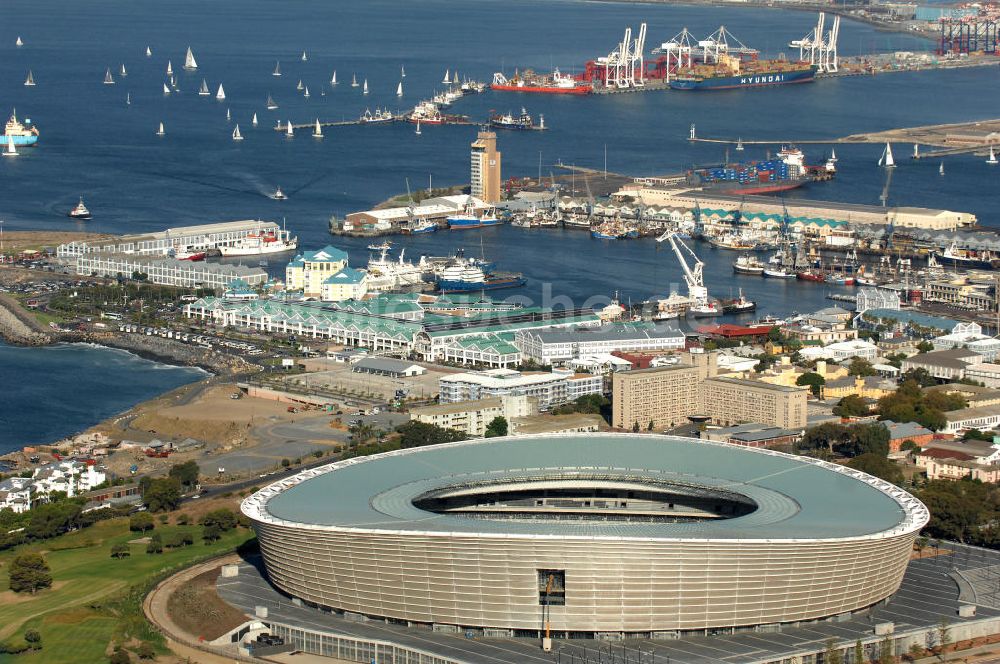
(278, 195)
(79, 212)
(510, 121)
(740, 305)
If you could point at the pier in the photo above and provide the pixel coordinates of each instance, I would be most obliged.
(458, 120)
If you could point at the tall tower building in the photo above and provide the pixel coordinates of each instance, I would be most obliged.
(486, 167)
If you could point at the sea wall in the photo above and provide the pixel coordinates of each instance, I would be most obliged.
(16, 326)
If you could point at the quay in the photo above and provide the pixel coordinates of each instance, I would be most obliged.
(459, 120)
(159, 243)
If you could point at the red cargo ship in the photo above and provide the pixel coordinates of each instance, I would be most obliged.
(557, 84)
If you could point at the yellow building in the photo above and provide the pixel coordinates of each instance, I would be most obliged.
(486, 167)
(787, 374)
(309, 270)
(348, 284)
(872, 387)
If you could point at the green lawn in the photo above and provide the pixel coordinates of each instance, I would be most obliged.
(89, 602)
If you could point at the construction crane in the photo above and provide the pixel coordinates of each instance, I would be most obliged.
(692, 277)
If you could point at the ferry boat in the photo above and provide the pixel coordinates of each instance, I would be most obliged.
(18, 133)
(731, 72)
(511, 121)
(469, 219)
(271, 241)
(80, 211)
(556, 84)
(748, 264)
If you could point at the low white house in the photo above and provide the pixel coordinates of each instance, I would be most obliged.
(842, 350)
(20, 494)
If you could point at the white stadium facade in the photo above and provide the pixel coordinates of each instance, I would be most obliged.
(590, 534)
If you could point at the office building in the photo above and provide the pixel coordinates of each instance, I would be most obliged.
(485, 177)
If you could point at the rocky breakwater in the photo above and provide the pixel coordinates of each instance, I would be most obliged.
(170, 351)
(17, 327)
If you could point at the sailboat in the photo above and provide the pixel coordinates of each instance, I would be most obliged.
(108, 78)
(128, 98)
(941, 169)
(447, 77)
(289, 130)
(304, 58)
(189, 62)
(221, 94)
(170, 69)
(833, 155)
(299, 86)
(402, 71)
(122, 72)
(254, 121)
(399, 89)
(354, 80)
(229, 116)
(364, 90)
(160, 132)
(916, 151)
(277, 69)
(886, 158)
(203, 90)
(417, 132)
(30, 81)
(19, 43)
(237, 136)
(149, 52)
(318, 130)
(993, 157)
(454, 79)
(271, 105)
(166, 90)
(333, 79)
(739, 144)
(306, 93)
(11, 151)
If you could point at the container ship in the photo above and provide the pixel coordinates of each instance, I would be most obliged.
(556, 84)
(788, 171)
(731, 72)
(18, 133)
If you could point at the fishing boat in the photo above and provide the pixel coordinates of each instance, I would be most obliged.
(378, 116)
(468, 218)
(399, 89)
(840, 279)
(386, 244)
(511, 121)
(170, 69)
(810, 275)
(333, 79)
(317, 130)
(160, 132)
(748, 264)
(886, 160)
(277, 69)
(254, 120)
(30, 81)
(237, 136)
(419, 227)
(220, 95)
(364, 89)
(271, 104)
(80, 211)
(706, 310)
(11, 151)
(122, 71)
(354, 80)
(190, 64)
(992, 160)
(278, 195)
(778, 273)
(203, 90)
(732, 241)
(108, 78)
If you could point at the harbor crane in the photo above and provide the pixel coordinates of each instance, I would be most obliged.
(625, 67)
(822, 48)
(692, 277)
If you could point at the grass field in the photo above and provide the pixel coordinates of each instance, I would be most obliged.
(94, 598)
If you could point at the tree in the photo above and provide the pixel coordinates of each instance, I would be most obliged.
(121, 550)
(29, 573)
(52, 519)
(155, 544)
(861, 367)
(145, 651)
(224, 518)
(909, 446)
(497, 427)
(859, 652)
(852, 405)
(186, 473)
(285, 463)
(33, 639)
(921, 376)
(866, 438)
(879, 466)
(823, 436)
(885, 654)
(635, 427)
(162, 495)
(944, 637)
(183, 519)
(211, 533)
(420, 434)
(976, 434)
(119, 656)
(832, 654)
(925, 346)
(944, 401)
(813, 380)
(140, 522)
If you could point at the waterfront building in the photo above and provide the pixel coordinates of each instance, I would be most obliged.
(432, 209)
(962, 291)
(239, 290)
(554, 346)
(348, 284)
(485, 171)
(551, 389)
(875, 298)
(969, 336)
(308, 271)
(489, 350)
(160, 243)
(472, 417)
(168, 271)
(943, 364)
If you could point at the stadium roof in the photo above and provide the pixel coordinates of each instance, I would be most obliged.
(797, 497)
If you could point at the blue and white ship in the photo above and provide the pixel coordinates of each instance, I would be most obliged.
(469, 219)
(466, 277)
(20, 134)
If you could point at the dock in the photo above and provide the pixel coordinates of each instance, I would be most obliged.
(456, 120)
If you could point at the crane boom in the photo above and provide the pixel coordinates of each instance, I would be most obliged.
(692, 277)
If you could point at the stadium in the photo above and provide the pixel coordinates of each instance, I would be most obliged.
(588, 534)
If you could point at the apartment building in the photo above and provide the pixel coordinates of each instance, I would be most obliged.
(729, 401)
(551, 389)
(472, 417)
(663, 396)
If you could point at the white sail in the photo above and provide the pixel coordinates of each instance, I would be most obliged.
(916, 151)
(304, 57)
(122, 71)
(333, 79)
(221, 94)
(160, 132)
(447, 77)
(203, 90)
(19, 43)
(354, 80)
(237, 136)
(299, 86)
(108, 78)
(993, 157)
(941, 169)
(318, 130)
(189, 62)
(454, 79)
(402, 71)
(170, 69)
(254, 120)
(128, 98)
(365, 88)
(271, 104)
(277, 69)
(229, 116)
(30, 81)
(149, 52)
(886, 158)
(289, 130)
(399, 89)
(166, 90)
(11, 150)
(306, 93)
(418, 128)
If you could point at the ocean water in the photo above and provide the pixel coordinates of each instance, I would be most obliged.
(55, 391)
